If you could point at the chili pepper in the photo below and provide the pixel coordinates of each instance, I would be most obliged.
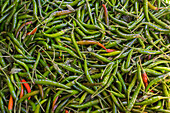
(159, 21)
(75, 44)
(54, 102)
(106, 15)
(2, 105)
(89, 11)
(27, 87)
(3, 17)
(37, 110)
(10, 85)
(41, 91)
(60, 13)
(10, 104)
(166, 94)
(118, 21)
(151, 6)
(151, 100)
(122, 82)
(104, 59)
(17, 42)
(2, 62)
(69, 68)
(128, 36)
(157, 79)
(32, 32)
(48, 105)
(157, 106)
(88, 25)
(56, 34)
(59, 107)
(132, 101)
(28, 95)
(50, 82)
(4, 5)
(87, 42)
(22, 91)
(66, 49)
(84, 29)
(116, 102)
(125, 70)
(88, 104)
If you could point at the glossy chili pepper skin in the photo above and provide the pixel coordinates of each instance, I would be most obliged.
(10, 104)
(32, 32)
(27, 86)
(22, 91)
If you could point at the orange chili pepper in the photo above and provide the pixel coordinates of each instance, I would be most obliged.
(22, 91)
(10, 104)
(32, 32)
(27, 86)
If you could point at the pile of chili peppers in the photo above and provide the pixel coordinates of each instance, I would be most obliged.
(84, 56)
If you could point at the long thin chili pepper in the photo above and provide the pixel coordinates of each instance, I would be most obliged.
(27, 86)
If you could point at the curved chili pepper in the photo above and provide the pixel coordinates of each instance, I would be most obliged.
(10, 104)
(27, 87)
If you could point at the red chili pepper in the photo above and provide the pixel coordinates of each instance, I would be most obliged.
(66, 111)
(106, 14)
(32, 32)
(110, 50)
(54, 102)
(27, 86)
(20, 28)
(144, 77)
(22, 91)
(10, 104)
